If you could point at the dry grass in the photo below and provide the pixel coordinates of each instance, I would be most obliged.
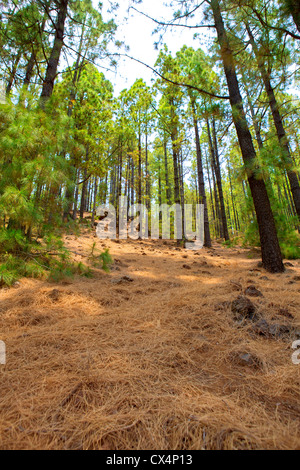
(152, 364)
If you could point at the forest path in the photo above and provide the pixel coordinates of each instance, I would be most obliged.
(149, 356)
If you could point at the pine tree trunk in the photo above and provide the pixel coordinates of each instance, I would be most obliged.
(132, 182)
(294, 9)
(94, 200)
(83, 195)
(168, 189)
(201, 185)
(210, 190)
(140, 170)
(148, 185)
(53, 62)
(13, 74)
(271, 255)
(219, 184)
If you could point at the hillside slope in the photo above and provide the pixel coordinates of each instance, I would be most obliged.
(163, 352)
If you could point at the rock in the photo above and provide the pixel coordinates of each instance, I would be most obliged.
(253, 292)
(285, 313)
(264, 278)
(123, 279)
(279, 331)
(261, 328)
(186, 266)
(54, 295)
(236, 285)
(288, 265)
(246, 359)
(274, 330)
(243, 309)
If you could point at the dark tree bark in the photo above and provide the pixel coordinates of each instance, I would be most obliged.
(159, 198)
(140, 170)
(83, 195)
(132, 182)
(293, 6)
(218, 219)
(53, 62)
(175, 148)
(235, 212)
(201, 185)
(271, 255)
(94, 200)
(76, 200)
(32, 60)
(13, 74)
(210, 189)
(219, 182)
(148, 185)
(168, 189)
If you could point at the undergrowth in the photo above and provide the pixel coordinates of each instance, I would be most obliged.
(48, 259)
(100, 260)
(289, 238)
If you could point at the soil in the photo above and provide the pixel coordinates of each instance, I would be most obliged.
(151, 355)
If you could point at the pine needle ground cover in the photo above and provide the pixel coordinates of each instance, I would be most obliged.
(149, 355)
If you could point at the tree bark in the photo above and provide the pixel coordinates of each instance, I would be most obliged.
(168, 189)
(271, 255)
(53, 62)
(13, 74)
(219, 183)
(201, 184)
(293, 7)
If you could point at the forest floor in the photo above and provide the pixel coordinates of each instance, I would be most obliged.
(156, 354)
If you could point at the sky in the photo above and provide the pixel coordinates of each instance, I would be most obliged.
(136, 31)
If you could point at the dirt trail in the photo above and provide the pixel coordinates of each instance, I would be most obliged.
(150, 356)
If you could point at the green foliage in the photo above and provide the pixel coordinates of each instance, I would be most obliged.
(62, 270)
(290, 245)
(49, 259)
(106, 259)
(103, 260)
(231, 243)
(289, 239)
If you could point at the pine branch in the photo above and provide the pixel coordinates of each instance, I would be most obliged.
(185, 85)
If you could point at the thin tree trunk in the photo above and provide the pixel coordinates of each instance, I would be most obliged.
(13, 74)
(219, 183)
(83, 195)
(95, 200)
(201, 184)
(140, 170)
(168, 189)
(53, 62)
(210, 189)
(271, 255)
(76, 200)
